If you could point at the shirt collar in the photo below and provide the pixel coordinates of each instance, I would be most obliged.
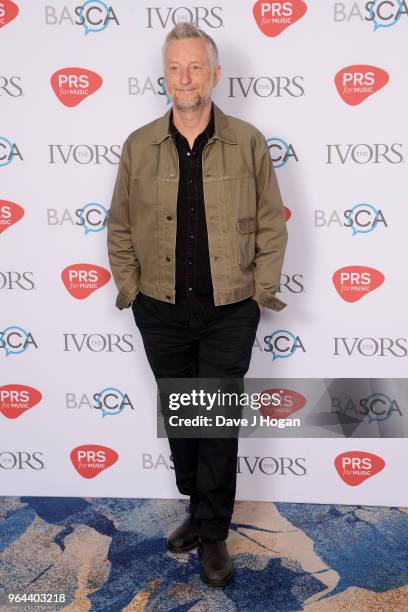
(222, 130)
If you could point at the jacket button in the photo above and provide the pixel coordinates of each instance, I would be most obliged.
(168, 258)
(168, 297)
(169, 218)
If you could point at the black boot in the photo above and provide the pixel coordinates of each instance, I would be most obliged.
(185, 537)
(216, 564)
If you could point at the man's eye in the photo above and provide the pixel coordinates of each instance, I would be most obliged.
(196, 67)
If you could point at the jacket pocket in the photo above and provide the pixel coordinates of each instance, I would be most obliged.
(246, 228)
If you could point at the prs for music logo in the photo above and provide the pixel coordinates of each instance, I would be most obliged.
(73, 85)
(8, 11)
(83, 279)
(274, 17)
(354, 467)
(89, 460)
(354, 282)
(356, 83)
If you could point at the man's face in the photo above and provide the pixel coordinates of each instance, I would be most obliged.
(188, 73)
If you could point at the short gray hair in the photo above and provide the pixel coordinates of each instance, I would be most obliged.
(184, 29)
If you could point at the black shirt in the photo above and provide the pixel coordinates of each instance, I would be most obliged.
(194, 290)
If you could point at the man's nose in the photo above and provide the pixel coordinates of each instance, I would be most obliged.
(185, 76)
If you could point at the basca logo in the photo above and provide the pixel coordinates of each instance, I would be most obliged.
(82, 279)
(8, 151)
(361, 218)
(73, 85)
(85, 154)
(10, 86)
(282, 343)
(281, 152)
(375, 407)
(381, 13)
(356, 83)
(266, 87)
(150, 462)
(16, 340)
(354, 467)
(288, 213)
(110, 401)
(272, 466)
(140, 86)
(17, 280)
(92, 217)
(16, 399)
(92, 15)
(362, 154)
(354, 282)
(98, 343)
(89, 460)
(370, 347)
(274, 17)
(292, 284)
(290, 402)
(8, 11)
(21, 460)
(10, 213)
(200, 16)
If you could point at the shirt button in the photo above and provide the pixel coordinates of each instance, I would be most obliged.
(191, 235)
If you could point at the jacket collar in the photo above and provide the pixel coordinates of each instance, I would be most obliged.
(223, 130)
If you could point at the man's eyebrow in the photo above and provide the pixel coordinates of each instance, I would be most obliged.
(191, 62)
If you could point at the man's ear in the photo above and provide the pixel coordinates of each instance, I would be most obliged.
(217, 75)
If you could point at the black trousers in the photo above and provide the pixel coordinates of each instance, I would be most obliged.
(205, 468)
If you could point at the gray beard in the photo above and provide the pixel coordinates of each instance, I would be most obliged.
(193, 104)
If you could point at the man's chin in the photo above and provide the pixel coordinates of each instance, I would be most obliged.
(189, 105)
(184, 104)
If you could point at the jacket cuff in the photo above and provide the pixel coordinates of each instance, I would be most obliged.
(124, 300)
(268, 299)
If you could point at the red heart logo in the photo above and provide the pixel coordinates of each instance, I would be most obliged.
(72, 85)
(354, 282)
(89, 460)
(10, 213)
(16, 399)
(274, 17)
(83, 279)
(288, 213)
(358, 82)
(8, 12)
(354, 467)
(290, 402)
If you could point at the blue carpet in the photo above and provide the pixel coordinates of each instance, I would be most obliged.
(109, 555)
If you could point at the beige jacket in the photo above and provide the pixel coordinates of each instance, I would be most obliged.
(246, 228)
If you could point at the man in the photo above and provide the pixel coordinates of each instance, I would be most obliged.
(196, 240)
